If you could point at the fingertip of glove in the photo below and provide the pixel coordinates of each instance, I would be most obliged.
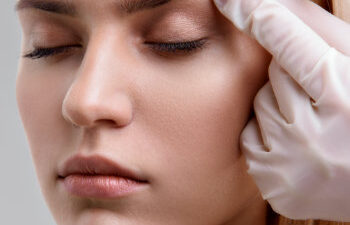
(238, 11)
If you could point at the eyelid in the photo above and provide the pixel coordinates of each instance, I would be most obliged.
(40, 52)
(185, 47)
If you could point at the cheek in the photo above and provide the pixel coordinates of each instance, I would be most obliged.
(198, 111)
(39, 97)
(197, 115)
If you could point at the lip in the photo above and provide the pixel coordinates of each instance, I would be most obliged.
(98, 177)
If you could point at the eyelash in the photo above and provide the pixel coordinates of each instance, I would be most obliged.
(171, 47)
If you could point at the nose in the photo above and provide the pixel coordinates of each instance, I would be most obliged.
(99, 93)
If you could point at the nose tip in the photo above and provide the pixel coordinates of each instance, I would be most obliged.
(100, 91)
(83, 111)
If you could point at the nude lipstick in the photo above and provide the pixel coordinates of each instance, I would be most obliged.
(98, 177)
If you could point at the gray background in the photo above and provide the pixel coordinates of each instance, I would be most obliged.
(21, 201)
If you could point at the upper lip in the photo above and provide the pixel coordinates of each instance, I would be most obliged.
(96, 165)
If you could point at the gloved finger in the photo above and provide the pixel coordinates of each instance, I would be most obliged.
(270, 119)
(335, 70)
(292, 100)
(294, 45)
(260, 162)
(333, 30)
(251, 139)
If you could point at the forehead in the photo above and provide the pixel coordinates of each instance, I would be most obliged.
(69, 7)
(202, 12)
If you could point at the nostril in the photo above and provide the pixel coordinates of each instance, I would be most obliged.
(107, 122)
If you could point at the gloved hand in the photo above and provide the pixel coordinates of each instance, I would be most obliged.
(298, 146)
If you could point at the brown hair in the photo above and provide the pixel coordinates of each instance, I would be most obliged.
(275, 219)
(340, 8)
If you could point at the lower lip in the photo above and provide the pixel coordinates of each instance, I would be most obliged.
(100, 186)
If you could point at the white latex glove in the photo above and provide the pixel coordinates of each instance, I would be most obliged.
(298, 146)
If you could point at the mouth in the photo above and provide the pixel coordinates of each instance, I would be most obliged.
(98, 177)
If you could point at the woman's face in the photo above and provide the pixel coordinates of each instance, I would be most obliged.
(174, 116)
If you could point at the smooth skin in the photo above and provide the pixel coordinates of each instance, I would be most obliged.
(175, 118)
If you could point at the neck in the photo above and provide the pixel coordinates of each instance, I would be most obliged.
(256, 212)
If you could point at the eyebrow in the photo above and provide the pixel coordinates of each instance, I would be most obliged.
(68, 8)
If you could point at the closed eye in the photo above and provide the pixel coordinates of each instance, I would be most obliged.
(174, 47)
(42, 52)
(171, 47)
